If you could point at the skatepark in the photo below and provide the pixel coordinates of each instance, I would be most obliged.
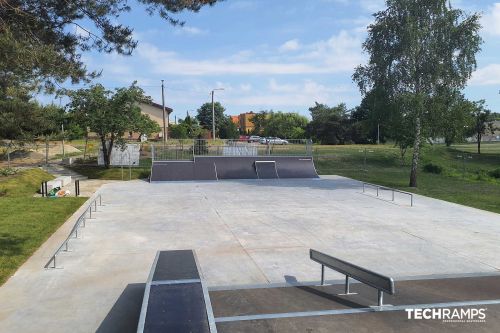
(255, 234)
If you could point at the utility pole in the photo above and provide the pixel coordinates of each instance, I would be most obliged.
(163, 104)
(213, 117)
(213, 113)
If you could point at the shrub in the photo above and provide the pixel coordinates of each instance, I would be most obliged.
(433, 168)
(8, 171)
(494, 173)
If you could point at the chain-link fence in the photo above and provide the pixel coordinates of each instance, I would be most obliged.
(187, 150)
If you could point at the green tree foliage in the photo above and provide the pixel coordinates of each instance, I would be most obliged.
(372, 117)
(111, 114)
(41, 41)
(228, 129)
(259, 121)
(287, 125)
(415, 48)
(452, 116)
(330, 125)
(483, 123)
(178, 131)
(204, 116)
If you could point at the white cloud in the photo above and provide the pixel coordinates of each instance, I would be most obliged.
(372, 5)
(491, 21)
(489, 75)
(291, 45)
(298, 95)
(340, 53)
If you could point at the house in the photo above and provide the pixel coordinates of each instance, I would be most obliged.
(155, 112)
(246, 124)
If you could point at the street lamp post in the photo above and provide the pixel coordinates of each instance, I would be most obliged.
(213, 113)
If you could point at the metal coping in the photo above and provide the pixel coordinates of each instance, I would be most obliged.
(354, 311)
(366, 276)
(74, 229)
(150, 282)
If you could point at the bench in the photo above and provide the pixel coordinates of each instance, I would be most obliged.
(175, 297)
(378, 281)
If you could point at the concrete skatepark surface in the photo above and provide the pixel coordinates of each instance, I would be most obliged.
(243, 232)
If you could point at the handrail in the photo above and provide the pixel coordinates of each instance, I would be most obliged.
(389, 189)
(378, 281)
(74, 231)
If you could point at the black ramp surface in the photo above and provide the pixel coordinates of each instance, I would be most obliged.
(230, 167)
(176, 265)
(173, 170)
(266, 169)
(176, 308)
(231, 303)
(296, 167)
(373, 322)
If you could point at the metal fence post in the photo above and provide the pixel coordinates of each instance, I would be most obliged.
(380, 298)
(392, 195)
(100, 200)
(322, 274)
(377, 191)
(347, 284)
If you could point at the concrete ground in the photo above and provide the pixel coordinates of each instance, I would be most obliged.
(244, 232)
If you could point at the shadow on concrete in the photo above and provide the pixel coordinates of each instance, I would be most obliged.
(321, 293)
(124, 315)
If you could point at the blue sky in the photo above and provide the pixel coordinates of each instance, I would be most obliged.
(281, 54)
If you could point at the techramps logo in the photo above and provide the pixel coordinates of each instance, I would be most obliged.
(448, 315)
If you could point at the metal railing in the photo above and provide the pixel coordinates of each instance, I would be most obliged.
(80, 222)
(385, 188)
(378, 281)
(188, 150)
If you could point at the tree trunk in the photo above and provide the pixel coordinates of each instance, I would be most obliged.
(46, 150)
(416, 153)
(8, 154)
(479, 143)
(104, 151)
(110, 149)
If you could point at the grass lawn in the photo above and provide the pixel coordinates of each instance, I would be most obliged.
(466, 183)
(27, 222)
(114, 173)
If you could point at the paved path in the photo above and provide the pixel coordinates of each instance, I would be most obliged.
(244, 232)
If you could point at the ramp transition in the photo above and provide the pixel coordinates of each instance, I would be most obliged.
(234, 167)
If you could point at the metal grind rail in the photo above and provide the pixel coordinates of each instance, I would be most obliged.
(74, 231)
(385, 188)
(378, 281)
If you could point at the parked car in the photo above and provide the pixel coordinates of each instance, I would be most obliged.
(274, 141)
(253, 138)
